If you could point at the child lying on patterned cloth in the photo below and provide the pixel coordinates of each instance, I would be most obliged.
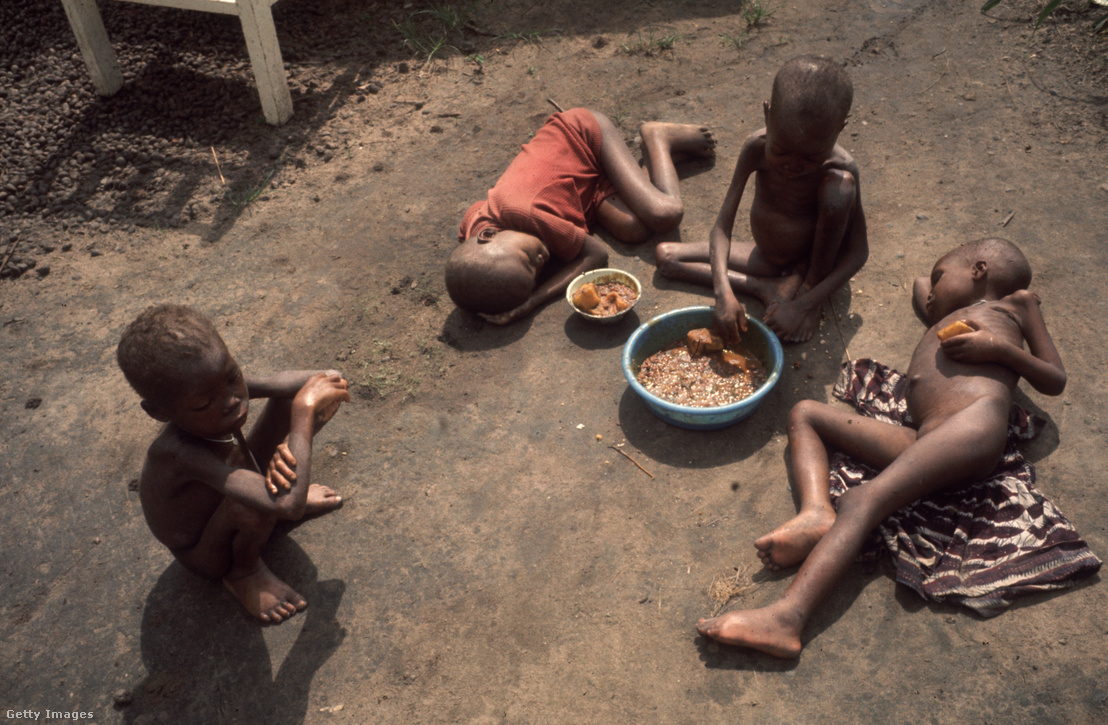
(979, 545)
(957, 399)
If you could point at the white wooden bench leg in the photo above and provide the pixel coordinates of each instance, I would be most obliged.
(265, 56)
(92, 39)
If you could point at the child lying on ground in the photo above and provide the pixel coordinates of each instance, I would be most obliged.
(959, 393)
(575, 171)
(806, 220)
(202, 491)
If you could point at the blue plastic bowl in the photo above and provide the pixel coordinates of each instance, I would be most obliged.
(672, 326)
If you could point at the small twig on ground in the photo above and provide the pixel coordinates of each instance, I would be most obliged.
(217, 169)
(632, 460)
(945, 69)
(554, 103)
(11, 251)
(1007, 219)
(1010, 94)
(474, 28)
(724, 589)
(835, 319)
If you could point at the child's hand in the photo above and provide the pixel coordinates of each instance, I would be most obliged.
(504, 318)
(729, 318)
(978, 346)
(322, 394)
(282, 470)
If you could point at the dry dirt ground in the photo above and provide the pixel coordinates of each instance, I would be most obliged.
(494, 560)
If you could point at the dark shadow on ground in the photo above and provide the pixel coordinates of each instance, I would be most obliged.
(206, 659)
(592, 335)
(719, 656)
(188, 88)
(467, 332)
(1047, 440)
(696, 449)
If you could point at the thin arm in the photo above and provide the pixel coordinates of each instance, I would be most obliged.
(1040, 365)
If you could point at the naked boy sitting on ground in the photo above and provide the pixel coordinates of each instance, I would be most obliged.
(806, 222)
(202, 490)
(522, 246)
(959, 395)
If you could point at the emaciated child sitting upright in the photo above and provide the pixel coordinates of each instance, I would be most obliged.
(576, 171)
(806, 222)
(202, 490)
(959, 394)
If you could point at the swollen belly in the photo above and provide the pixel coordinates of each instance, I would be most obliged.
(783, 239)
(932, 401)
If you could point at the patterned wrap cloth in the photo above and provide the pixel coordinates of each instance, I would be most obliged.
(978, 545)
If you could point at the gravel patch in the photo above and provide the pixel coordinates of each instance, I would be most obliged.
(74, 165)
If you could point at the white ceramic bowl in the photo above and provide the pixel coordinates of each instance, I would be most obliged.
(600, 276)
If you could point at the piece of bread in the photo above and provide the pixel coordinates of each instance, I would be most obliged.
(734, 362)
(614, 301)
(703, 341)
(958, 327)
(586, 299)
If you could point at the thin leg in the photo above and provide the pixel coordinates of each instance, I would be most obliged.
(654, 198)
(965, 446)
(230, 549)
(814, 430)
(272, 429)
(749, 272)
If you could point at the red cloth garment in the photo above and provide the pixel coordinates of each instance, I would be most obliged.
(552, 189)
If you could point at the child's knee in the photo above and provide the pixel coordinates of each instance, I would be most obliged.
(667, 258)
(631, 231)
(665, 216)
(804, 412)
(248, 520)
(857, 506)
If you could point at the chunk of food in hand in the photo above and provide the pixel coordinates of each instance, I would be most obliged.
(703, 341)
(958, 327)
(586, 298)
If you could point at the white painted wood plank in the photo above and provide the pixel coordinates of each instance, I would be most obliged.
(225, 7)
(265, 57)
(96, 49)
(257, 28)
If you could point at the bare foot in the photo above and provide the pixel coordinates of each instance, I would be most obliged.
(791, 542)
(756, 628)
(790, 323)
(265, 596)
(685, 139)
(773, 291)
(321, 500)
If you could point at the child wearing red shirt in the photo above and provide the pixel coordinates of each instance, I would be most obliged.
(574, 172)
